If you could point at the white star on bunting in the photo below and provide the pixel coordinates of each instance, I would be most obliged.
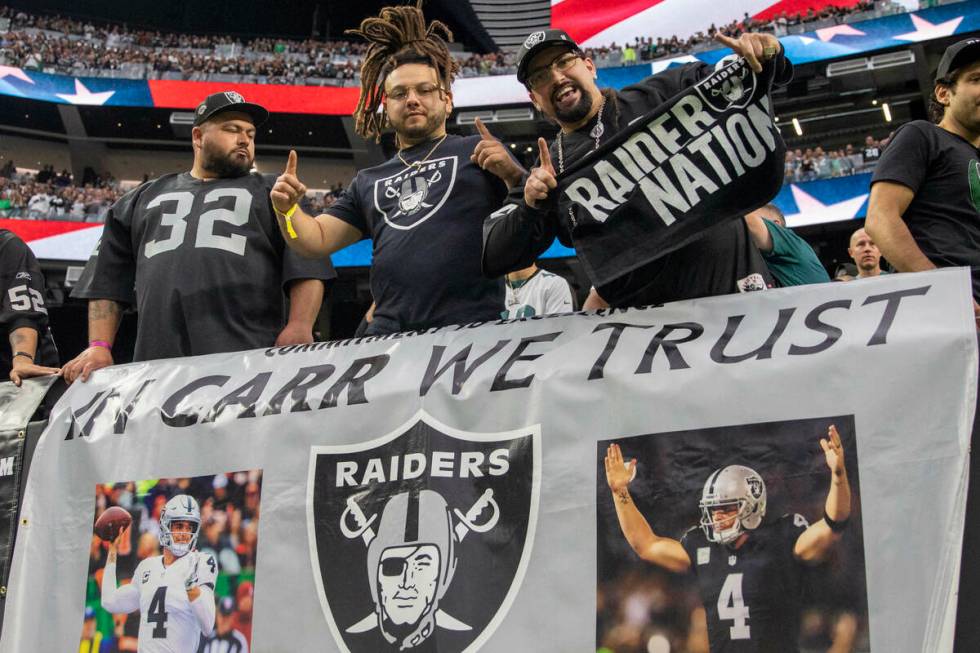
(813, 211)
(84, 96)
(925, 31)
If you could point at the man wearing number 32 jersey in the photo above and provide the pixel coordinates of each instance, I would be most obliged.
(200, 255)
(173, 592)
(748, 569)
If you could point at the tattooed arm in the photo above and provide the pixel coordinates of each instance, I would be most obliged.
(104, 316)
(664, 552)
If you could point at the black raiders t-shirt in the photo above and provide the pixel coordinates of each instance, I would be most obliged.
(203, 261)
(752, 596)
(22, 301)
(943, 171)
(426, 223)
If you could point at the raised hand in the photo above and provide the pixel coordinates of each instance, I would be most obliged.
(288, 189)
(833, 450)
(542, 180)
(755, 48)
(619, 474)
(492, 155)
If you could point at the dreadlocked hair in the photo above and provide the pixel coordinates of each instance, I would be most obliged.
(397, 36)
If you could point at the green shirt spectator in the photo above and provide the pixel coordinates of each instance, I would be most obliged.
(790, 258)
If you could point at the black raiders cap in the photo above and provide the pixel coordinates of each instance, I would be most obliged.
(228, 101)
(957, 56)
(535, 43)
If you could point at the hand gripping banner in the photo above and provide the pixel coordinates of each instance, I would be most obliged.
(710, 154)
(772, 471)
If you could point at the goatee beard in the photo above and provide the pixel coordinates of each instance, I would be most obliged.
(576, 112)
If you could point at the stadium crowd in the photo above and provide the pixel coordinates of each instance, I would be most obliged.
(69, 46)
(48, 194)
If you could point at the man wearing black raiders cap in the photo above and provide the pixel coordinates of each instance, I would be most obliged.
(925, 193)
(200, 256)
(561, 83)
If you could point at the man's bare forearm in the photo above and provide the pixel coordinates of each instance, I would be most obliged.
(838, 504)
(305, 298)
(893, 238)
(23, 339)
(104, 316)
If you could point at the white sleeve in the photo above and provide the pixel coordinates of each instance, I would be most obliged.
(558, 299)
(203, 607)
(119, 600)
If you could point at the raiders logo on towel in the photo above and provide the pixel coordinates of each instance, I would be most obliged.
(419, 539)
(710, 154)
(415, 194)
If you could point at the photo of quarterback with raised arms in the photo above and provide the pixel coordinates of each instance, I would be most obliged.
(750, 565)
(166, 554)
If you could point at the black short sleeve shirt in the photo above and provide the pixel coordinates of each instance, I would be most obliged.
(426, 221)
(203, 261)
(943, 171)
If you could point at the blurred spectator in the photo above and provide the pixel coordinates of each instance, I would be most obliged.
(790, 258)
(533, 291)
(225, 638)
(872, 152)
(865, 254)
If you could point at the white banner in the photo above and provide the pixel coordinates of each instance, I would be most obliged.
(450, 490)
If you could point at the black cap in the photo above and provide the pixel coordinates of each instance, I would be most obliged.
(535, 43)
(226, 605)
(957, 56)
(228, 101)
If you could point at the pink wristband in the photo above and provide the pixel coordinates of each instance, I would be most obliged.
(100, 343)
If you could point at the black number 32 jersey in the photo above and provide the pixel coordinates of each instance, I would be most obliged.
(203, 261)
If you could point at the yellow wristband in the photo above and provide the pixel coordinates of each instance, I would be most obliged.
(288, 215)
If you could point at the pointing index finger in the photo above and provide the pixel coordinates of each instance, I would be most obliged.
(484, 132)
(545, 155)
(291, 163)
(726, 40)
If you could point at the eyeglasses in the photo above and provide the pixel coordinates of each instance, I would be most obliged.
(423, 92)
(542, 76)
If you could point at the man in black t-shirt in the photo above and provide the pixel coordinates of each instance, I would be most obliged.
(200, 256)
(924, 210)
(561, 83)
(22, 312)
(423, 208)
(748, 571)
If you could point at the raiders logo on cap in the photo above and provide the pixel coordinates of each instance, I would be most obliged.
(533, 39)
(423, 535)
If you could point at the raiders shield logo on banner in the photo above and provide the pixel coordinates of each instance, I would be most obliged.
(420, 539)
(412, 196)
(732, 85)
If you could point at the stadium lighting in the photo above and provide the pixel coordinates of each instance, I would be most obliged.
(885, 109)
(796, 126)
(776, 119)
(513, 145)
(874, 102)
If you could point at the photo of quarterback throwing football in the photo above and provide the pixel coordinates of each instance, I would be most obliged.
(164, 553)
(750, 566)
(174, 592)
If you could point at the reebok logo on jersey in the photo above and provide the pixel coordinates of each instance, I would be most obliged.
(415, 194)
(402, 541)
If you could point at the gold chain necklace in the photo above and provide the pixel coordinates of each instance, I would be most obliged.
(418, 164)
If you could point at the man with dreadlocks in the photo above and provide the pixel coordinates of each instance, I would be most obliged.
(423, 208)
(560, 81)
